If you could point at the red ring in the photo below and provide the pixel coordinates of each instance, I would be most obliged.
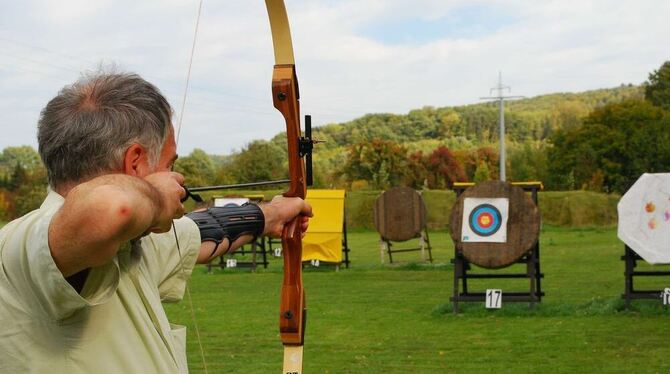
(482, 217)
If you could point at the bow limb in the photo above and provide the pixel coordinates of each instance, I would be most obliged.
(285, 96)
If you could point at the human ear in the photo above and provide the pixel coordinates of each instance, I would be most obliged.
(136, 161)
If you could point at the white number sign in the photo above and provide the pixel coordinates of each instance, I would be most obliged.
(231, 263)
(277, 252)
(666, 296)
(493, 299)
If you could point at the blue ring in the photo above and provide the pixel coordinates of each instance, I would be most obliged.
(485, 208)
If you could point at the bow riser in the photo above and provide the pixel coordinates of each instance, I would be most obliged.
(292, 307)
(285, 98)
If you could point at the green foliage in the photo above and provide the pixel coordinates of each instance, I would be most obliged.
(470, 132)
(29, 197)
(23, 181)
(198, 168)
(16, 164)
(24, 156)
(484, 158)
(657, 89)
(383, 163)
(259, 161)
(527, 161)
(614, 146)
(438, 206)
(482, 173)
(359, 207)
(473, 125)
(578, 208)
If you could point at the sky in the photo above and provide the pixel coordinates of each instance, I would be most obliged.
(353, 57)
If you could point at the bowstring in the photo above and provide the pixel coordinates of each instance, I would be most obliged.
(190, 302)
(188, 74)
(174, 227)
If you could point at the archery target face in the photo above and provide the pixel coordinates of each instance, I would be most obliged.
(644, 218)
(485, 220)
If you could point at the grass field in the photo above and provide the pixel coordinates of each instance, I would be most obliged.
(397, 319)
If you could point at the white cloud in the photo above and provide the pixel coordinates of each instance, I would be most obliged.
(346, 65)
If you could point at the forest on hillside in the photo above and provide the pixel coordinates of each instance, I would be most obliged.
(599, 140)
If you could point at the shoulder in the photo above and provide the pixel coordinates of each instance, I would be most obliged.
(33, 225)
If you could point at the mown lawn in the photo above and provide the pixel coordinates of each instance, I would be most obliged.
(375, 318)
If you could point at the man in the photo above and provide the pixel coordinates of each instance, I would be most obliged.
(84, 275)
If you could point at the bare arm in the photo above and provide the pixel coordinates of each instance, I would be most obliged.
(279, 212)
(101, 214)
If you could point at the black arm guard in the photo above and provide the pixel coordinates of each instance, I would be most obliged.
(230, 221)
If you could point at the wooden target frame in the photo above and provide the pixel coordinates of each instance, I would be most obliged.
(462, 264)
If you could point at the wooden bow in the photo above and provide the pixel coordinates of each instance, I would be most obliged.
(285, 96)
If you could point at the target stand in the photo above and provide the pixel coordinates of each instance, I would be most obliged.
(630, 258)
(495, 225)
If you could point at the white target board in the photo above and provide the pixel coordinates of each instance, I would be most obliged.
(484, 220)
(644, 218)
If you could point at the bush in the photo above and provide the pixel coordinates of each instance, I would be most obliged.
(578, 208)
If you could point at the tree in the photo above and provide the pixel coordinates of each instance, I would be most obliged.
(417, 171)
(198, 168)
(657, 88)
(482, 173)
(6, 208)
(382, 163)
(444, 169)
(472, 158)
(259, 161)
(527, 162)
(451, 124)
(614, 146)
(25, 156)
(23, 179)
(16, 164)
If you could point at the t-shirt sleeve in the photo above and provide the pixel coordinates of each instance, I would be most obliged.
(32, 274)
(171, 260)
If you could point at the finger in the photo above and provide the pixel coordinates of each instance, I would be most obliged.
(178, 177)
(185, 193)
(306, 209)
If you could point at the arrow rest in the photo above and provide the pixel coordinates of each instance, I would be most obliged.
(305, 148)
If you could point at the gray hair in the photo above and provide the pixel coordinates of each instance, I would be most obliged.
(86, 129)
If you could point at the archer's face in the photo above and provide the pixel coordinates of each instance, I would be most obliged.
(168, 154)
